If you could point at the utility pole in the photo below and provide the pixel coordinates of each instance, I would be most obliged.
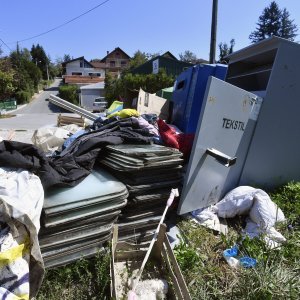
(47, 72)
(213, 37)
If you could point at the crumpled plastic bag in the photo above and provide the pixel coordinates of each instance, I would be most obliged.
(272, 237)
(21, 263)
(49, 139)
(207, 217)
(245, 200)
(237, 202)
(125, 113)
(264, 211)
(14, 263)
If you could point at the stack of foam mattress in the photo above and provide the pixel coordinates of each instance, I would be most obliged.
(77, 221)
(149, 172)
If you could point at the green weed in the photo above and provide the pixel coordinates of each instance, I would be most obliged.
(86, 279)
(199, 254)
(277, 274)
(287, 198)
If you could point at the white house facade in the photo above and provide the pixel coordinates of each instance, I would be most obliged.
(81, 67)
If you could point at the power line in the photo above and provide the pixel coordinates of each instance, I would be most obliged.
(65, 23)
(3, 43)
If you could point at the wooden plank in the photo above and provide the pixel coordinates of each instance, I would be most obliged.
(136, 254)
(79, 123)
(64, 121)
(163, 253)
(129, 246)
(171, 273)
(114, 242)
(115, 238)
(113, 292)
(177, 270)
(70, 118)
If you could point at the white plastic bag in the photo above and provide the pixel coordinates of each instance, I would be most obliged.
(49, 139)
(237, 202)
(21, 202)
(264, 211)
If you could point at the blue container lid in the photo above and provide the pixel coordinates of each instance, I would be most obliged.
(248, 262)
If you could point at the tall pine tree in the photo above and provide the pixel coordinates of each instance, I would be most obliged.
(40, 58)
(288, 28)
(274, 21)
(225, 50)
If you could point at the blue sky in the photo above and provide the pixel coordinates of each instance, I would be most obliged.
(147, 25)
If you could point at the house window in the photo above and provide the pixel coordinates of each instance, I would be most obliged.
(123, 63)
(76, 73)
(112, 63)
(95, 74)
(81, 64)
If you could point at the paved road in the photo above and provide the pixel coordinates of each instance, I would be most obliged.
(38, 113)
(40, 105)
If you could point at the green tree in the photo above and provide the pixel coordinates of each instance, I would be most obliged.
(56, 68)
(27, 75)
(7, 87)
(152, 55)
(7, 80)
(69, 93)
(40, 59)
(66, 57)
(288, 29)
(274, 21)
(138, 59)
(188, 56)
(225, 50)
(109, 86)
(128, 85)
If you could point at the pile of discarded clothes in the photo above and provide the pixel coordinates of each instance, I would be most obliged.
(70, 166)
(83, 200)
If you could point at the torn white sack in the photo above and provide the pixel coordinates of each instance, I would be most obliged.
(50, 139)
(246, 200)
(256, 203)
(207, 217)
(21, 264)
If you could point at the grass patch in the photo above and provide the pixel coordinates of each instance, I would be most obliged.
(6, 116)
(287, 198)
(277, 274)
(208, 276)
(86, 279)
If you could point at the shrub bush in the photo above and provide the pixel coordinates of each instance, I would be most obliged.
(287, 198)
(69, 93)
(129, 84)
(23, 96)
